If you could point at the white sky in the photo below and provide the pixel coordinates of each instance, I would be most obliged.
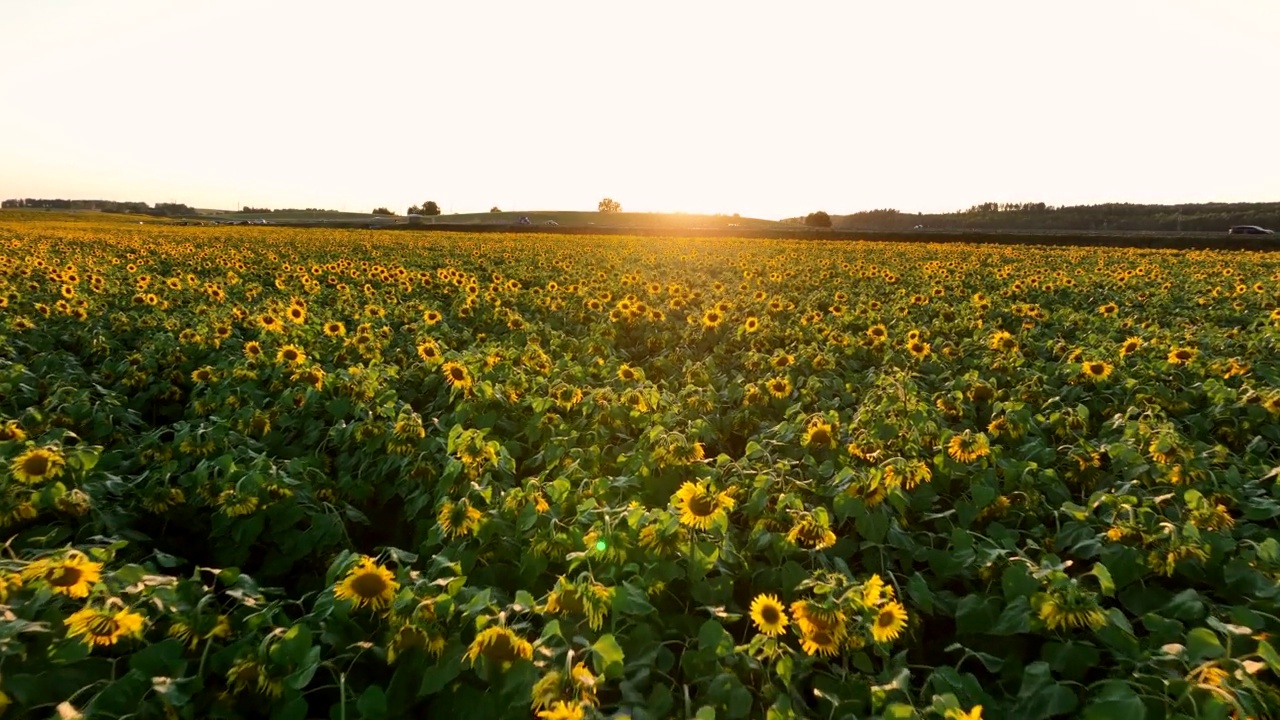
(769, 109)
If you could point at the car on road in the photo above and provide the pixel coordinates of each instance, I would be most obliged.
(1250, 230)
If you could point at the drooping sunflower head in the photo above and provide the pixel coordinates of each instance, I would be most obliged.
(458, 519)
(71, 574)
(499, 645)
(11, 431)
(367, 584)
(99, 627)
(808, 533)
(1181, 355)
(820, 434)
(968, 446)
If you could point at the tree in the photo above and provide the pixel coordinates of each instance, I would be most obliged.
(609, 205)
(495, 208)
(818, 219)
(382, 211)
(430, 208)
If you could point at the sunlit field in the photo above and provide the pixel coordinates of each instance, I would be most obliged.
(252, 472)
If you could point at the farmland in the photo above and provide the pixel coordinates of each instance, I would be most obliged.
(296, 473)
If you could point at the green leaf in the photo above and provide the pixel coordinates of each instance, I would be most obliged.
(1107, 585)
(1269, 654)
(1041, 696)
(1015, 619)
(435, 678)
(607, 656)
(976, 613)
(1203, 643)
(706, 712)
(1016, 581)
(163, 659)
(631, 600)
(713, 636)
(372, 703)
(900, 711)
(1115, 701)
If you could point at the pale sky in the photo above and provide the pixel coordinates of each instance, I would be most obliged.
(770, 109)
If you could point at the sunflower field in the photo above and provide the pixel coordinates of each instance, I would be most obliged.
(267, 472)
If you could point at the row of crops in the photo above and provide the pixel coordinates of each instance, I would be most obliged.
(315, 473)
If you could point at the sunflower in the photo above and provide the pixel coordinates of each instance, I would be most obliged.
(819, 434)
(429, 351)
(270, 323)
(1003, 340)
(968, 446)
(252, 350)
(889, 622)
(809, 533)
(203, 375)
(698, 507)
(11, 431)
(368, 583)
(779, 387)
(296, 314)
(1108, 309)
(71, 575)
(974, 713)
(431, 317)
(248, 674)
(752, 324)
(1071, 609)
(768, 614)
(1130, 346)
(561, 710)
(1096, 369)
(1181, 356)
(819, 640)
(292, 355)
(335, 329)
(500, 645)
(712, 319)
(100, 627)
(874, 589)
(627, 373)
(8, 583)
(919, 349)
(37, 465)
(458, 375)
(877, 333)
(458, 519)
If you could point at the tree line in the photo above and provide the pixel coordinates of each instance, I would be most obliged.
(1200, 217)
(109, 206)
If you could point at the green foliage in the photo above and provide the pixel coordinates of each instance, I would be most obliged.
(276, 474)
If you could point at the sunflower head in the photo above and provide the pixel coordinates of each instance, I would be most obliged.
(37, 465)
(367, 584)
(768, 614)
